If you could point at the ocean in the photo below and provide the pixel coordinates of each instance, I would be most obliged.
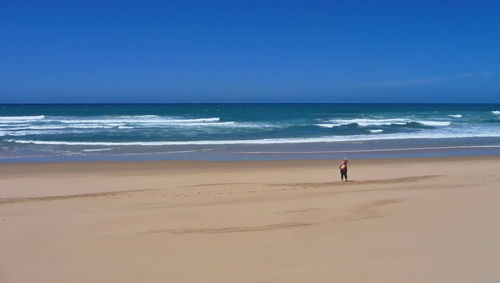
(73, 132)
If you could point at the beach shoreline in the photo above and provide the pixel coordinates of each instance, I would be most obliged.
(230, 132)
(397, 220)
(267, 153)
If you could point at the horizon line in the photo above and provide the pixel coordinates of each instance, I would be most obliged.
(128, 103)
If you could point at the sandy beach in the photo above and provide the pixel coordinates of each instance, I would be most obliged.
(397, 220)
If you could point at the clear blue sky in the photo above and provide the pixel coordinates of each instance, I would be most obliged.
(249, 51)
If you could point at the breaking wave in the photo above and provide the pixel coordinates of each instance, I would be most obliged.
(325, 139)
(381, 122)
(43, 125)
(328, 125)
(20, 119)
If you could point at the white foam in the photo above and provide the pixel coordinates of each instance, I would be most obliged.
(217, 119)
(97, 149)
(370, 150)
(325, 139)
(328, 125)
(48, 127)
(15, 129)
(456, 115)
(21, 119)
(434, 123)
(10, 125)
(41, 132)
(375, 131)
(372, 122)
(155, 122)
(386, 122)
(144, 119)
(495, 112)
(140, 116)
(198, 124)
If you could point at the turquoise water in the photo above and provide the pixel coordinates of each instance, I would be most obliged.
(244, 131)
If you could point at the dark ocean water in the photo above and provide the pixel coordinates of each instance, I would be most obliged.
(245, 131)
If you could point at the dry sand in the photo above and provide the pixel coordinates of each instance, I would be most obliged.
(399, 220)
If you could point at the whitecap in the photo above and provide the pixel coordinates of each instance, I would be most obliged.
(328, 125)
(456, 115)
(435, 123)
(376, 131)
(20, 133)
(21, 119)
(137, 116)
(386, 122)
(324, 139)
(63, 127)
(365, 122)
(97, 149)
(144, 119)
(495, 112)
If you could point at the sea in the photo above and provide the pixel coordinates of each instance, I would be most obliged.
(226, 132)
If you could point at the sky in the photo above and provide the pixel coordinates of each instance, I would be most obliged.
(249, 51)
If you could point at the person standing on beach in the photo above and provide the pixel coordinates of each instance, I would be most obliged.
(343, 169)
